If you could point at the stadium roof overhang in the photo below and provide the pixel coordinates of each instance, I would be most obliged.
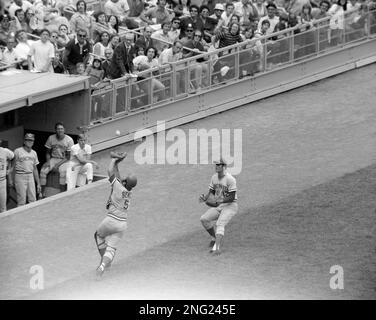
(19, 88)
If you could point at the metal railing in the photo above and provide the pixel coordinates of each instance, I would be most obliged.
(155, 87)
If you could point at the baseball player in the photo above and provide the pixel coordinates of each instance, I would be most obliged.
(58, 155)
(80, 167)
(222, 199)
(113, 226)
(26, 173)
(6, 156)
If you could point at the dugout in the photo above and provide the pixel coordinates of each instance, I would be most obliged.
(34, 102)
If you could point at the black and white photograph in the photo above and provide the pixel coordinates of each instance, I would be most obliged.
(187, 150)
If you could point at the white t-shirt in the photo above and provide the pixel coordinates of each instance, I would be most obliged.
(22, 49)
(42, 53)
(76, 150)
(117, 9)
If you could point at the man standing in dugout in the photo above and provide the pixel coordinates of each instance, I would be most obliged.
(26, 172)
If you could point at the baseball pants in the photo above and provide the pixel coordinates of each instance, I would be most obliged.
(219, 216)
(3, 195)
(79, 174)
(46, 168)
(112, 231)
(25, 188)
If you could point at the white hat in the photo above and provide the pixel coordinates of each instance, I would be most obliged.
(219, 6)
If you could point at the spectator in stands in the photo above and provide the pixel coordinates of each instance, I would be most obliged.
(218, 10)
(10, 56)
(322, 26)
(145, 40)
(18, 4)
(226, 38)
(102, 44)
(188, 34)
(149, 61)
(7, 29)
(174, 32)
(115, 40)
(107, 61)
(173, 54)
(34, 24)
(82, 20)
(181, 8)
(227, 14)
(337, 23)
(57, 63)
(161, 37)
(6, 156)
(58, 150)
(190, 20)
(200, 69)
(42, 9)
(77, 50)
(136, 7)
(22, 49)
(271, 17)
(80, 69)
(20, 19)
(80, 168)
(245, 10)
(120, 8)
(113, 24)
(101, 25)
(26, 175)
(121, 63)
(95, 72)
(43, 53)
(260, 8)
(53, 38)
(63, 37)
(156, 15)
(207, 24)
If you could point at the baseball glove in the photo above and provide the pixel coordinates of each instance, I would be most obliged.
(118, 155)
(211, 201)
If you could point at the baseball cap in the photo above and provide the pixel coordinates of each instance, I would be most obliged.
(221, 161)
(29, 136)
(190, 26)
(219, 6)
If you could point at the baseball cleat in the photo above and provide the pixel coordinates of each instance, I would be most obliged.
(100, 271)
(216, 252)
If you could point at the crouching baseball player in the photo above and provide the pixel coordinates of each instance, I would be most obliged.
(113, 226)
(222, 199)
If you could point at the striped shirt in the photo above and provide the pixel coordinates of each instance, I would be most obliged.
(226, 38)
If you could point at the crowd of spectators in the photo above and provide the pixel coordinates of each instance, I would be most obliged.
(108, 39)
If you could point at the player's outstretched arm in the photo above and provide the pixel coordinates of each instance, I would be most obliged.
(113, 166)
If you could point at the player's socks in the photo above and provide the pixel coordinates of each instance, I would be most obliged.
(211, 232)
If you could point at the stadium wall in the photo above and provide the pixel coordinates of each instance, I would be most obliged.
(232, 95)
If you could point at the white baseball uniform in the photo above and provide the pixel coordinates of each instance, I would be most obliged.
(5, 155)
(221, 215)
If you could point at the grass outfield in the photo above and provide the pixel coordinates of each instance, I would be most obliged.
(280, 251)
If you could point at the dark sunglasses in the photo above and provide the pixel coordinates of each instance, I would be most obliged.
(189, 30)
(82, 35)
